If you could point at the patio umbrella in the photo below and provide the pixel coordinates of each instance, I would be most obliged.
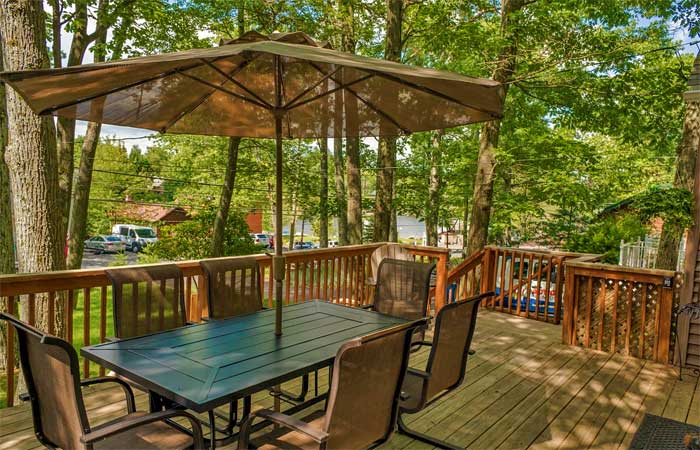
(277, 86)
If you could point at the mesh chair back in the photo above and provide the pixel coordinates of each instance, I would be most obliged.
(391, 251)
(233, 286)
(454, 329)
(50, 368)
(403, 288)
(367, 378)
(147, 299)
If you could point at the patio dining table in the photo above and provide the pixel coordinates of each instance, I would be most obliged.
(209, 364)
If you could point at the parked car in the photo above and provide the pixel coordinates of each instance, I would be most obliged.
(304, 245)
(135, 237)
(105, 244)
(261, 239)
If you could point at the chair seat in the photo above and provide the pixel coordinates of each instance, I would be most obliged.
(152, 436)
(413, 388)
(285, 439)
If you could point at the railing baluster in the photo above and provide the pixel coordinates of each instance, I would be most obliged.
(51, 311)
(332, 297)
(86, 329)
(103, 320)
(31, 310)
(643, 324)
(547, 288)
(10, 355)
(312, 279)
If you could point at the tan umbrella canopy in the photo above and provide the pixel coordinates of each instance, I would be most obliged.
(282, 85)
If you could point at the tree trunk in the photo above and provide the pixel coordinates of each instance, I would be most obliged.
(7, 252)
(352, 167)
(77, 225)
(31, 155)
(217, 245)
(80, 198)
(65, 128)
(488, 141)
(671, 235)
(434, 184)
(352, 149)
(340, 197)
(386, 153)
(293, 223)
(323, 202)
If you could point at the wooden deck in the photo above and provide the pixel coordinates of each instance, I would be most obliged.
(524, 389)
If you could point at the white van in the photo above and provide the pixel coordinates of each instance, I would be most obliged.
(136, 237)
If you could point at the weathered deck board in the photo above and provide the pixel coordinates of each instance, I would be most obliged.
(523, 390)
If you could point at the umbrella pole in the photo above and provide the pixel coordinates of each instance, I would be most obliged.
(278, 260)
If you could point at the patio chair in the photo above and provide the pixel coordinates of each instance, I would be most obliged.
(361, 412)
(402, 290)
(447, 363)
(147, 299)
(233, 289)
(233, 286)
(391, 251)
(52, 374)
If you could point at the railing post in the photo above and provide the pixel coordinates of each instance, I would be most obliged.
(441, 284)
(569, 299)
(663, 325)
(485, 270)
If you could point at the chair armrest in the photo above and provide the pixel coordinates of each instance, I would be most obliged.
(128, 392)
(318, 436)
(418, 373)
(129, 424)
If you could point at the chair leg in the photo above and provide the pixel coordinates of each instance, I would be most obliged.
(403, 429)
(302, 395)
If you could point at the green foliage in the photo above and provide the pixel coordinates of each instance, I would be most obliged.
(192, 239)
(673, 205)
(603, 237)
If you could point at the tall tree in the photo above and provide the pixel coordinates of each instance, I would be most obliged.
(323, 201)
(432, 207)
(234, 143)
(31, 154)
(352, 147)
(340, 195)
(225, 197)
(386, 153)
(82, 182)
(486, 161)
(7, 252)
(65, 128)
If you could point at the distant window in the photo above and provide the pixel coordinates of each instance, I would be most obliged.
(132, 234)
(145, 233)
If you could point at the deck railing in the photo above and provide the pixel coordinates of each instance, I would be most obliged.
(80, 300)
(604, 307)
(620, 309)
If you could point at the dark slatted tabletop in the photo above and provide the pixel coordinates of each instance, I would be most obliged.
(205, 365)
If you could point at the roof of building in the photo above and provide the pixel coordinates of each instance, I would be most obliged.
(148, 213)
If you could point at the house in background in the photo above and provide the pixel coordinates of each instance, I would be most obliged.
(154, 216)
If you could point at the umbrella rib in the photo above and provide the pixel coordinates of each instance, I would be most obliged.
(224, 90)
(204, 98)
(118, 89)
(431, 92)
(238, 83)
(290, 104)
(330, 91)
(366, 102)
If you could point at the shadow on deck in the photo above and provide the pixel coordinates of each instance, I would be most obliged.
(524, 389)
